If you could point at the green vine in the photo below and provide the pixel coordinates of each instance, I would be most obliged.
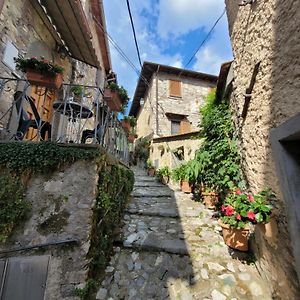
(114, 187)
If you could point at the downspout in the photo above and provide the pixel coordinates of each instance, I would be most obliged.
(156, 104)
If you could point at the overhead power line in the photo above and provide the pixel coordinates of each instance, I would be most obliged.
(134, 34)
(205, 39)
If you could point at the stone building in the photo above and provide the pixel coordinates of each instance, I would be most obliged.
(68, 33)
(166, 104)
(263, 84)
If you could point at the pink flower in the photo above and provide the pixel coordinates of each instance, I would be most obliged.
(251, 215)
(238, 191)
(229, 211)
(223, 208)
(238, 217)
(250, 198)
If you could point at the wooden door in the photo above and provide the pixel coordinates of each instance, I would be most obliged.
(43, 101)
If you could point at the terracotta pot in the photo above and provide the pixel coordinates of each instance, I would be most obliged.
(126, 125)
(49, 81)
(113, 100)
(270, 229)
(235, 238)
(131, 138)
(186, 187)
(165, 179)
(210, 199)
(151, 172)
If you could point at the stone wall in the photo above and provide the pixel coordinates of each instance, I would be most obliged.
(162, 152)
(267, 31)
(194, 92)
(65, 206)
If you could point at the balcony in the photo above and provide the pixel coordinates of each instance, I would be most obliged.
(75, 115)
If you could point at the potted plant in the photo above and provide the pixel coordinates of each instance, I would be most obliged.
(131, 136)
(263, 214)
(41, 72)
(209, 197)
(182, 175)
(236, 217)
(116, 97)
(150, 168)
(163, 175)
(128, 122)
(78, 93)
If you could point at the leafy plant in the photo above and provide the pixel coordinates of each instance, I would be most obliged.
(178, 174)
(216, 163)
(121, 91)
(131, 120)
(43, 66)
(163, 172)
(240, 209)
(149, 163)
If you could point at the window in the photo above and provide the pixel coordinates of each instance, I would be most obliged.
(175, 88)
(175, 127)
(10, 52)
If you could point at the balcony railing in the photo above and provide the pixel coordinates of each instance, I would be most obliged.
(76, 114)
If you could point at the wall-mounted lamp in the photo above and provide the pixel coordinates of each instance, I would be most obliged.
(62, 51)
(246, 2)
(142, 101)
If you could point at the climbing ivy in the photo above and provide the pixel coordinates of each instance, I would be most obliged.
(114, 187)
(17, 159)
(216, 164)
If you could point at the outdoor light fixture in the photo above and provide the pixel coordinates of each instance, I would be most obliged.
(62, 51)
(142, 101)
(246, 2)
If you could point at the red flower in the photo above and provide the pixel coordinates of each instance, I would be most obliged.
(238, 191)
(251, 215)
(229, 211)
(250, 198)
(238, 217)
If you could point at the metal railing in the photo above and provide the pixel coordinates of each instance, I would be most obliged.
(76, 114)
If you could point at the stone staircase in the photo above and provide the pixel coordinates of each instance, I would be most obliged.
(171, 248)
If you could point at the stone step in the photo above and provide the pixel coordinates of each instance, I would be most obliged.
(148, 184)
(152, 192)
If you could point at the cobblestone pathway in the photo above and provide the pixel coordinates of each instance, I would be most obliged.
(171, 248)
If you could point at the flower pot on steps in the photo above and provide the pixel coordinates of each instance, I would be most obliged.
(186, 187)
(151, 171)
(210, 199)
(235, 238)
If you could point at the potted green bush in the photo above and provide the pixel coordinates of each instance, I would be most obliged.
(128, 122)
(116, 97)
(150, 168)
(41, 72)
(163, 175)
(239, 210)
(182, 175)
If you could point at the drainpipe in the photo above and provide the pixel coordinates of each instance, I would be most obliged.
(157, 124)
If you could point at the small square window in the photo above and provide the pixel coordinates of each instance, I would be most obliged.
(175, 127)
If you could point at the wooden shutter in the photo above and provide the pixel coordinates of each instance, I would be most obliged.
(175, 88)
(185, 126)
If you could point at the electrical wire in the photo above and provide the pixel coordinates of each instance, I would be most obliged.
(134, 34)
(205, 39)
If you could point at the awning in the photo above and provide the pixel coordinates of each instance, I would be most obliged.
(67, 21)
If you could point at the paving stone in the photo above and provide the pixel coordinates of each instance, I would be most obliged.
(175, 246)
(215, 267)
(101, 294)
(244, 276)
(204, 274)
(255, 289)
(216, 295)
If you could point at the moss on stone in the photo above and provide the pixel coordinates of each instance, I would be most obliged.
(55, 223)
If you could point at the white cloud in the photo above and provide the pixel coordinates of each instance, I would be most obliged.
(177, 17)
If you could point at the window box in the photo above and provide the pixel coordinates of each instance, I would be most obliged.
(47, 80)
(126, 125)
(113, 100)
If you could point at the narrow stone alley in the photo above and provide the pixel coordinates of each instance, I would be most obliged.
(170, 247)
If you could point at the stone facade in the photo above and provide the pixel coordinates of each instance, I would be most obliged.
(267, 32)
(154, 119)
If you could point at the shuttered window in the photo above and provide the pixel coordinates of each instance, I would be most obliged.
(185, 126)
(175, 88)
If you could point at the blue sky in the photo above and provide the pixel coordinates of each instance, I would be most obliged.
(168, 32)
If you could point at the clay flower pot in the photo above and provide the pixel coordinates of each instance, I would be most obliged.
(269, 230)
(235, 238)
(112, 100)
(151, 171)
(186, 187)
(131, 138)
(126, 125)
(47, 80)
(210, 199)
(165, 179)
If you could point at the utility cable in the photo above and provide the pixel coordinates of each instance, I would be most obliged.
(134, 34)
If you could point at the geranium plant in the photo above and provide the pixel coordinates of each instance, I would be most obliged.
(41, 65)
(240, 209)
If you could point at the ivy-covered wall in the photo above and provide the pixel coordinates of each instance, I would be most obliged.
(50, 194)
